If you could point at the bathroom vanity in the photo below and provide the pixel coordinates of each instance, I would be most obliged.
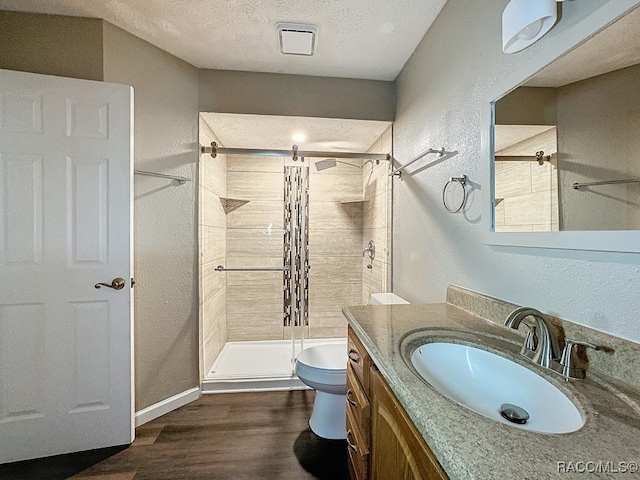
(399, 426)
(382, 440)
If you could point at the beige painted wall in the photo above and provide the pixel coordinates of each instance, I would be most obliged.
(51, 45)
(165, 228)
(295, 95)
(527, 106)
(212, 237)
(439, 103)
(599, 140)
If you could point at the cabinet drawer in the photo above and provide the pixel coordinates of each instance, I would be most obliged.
(358, 466)
(355, 438)
(358, 403)
(358, 450)
(359, 359)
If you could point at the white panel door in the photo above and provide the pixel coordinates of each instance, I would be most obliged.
(65, 225)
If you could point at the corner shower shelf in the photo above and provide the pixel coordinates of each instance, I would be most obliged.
(231, 204)
(353, 201)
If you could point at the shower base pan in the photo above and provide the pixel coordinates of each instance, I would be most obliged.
(257, 366)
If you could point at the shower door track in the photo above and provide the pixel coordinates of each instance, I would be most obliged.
(214, 150)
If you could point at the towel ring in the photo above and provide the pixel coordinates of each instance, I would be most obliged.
(462, 181)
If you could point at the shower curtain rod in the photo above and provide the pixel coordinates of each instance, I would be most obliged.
(214, 150)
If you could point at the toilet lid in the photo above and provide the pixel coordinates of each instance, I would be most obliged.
(326, 357)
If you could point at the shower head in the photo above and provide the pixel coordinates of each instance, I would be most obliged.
(332, 162)
(326, 163)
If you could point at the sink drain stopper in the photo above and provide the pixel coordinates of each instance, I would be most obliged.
(514, 413)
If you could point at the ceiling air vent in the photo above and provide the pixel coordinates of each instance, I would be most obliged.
(297, 38)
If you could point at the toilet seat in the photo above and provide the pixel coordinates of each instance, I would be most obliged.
(329, 357)
(323, 365)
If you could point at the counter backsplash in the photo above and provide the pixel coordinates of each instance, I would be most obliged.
(623, 364)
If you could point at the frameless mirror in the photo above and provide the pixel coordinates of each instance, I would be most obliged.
(564, 148)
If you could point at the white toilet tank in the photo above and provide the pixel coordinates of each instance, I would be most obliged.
(386, 299)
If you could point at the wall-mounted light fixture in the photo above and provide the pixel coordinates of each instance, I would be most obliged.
(526, 21)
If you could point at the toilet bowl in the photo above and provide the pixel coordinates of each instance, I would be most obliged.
(324, 368)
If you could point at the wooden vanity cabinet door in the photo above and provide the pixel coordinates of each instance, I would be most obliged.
(398, 450)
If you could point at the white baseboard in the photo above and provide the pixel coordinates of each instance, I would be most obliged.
(167, 405)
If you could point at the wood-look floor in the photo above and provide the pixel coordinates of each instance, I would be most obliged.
(237, 436)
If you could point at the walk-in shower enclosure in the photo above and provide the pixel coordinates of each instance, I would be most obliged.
(290, 240)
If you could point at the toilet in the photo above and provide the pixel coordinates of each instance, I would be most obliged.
(324, 368)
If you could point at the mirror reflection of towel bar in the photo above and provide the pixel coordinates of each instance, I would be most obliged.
(578, 186)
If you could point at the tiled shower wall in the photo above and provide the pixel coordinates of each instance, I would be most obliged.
(376, 184)
(335, 253)
(255, 239)
(212, 239)
(344, 202)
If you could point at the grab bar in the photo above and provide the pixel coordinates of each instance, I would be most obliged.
(423, 154)
(221, 268)
(180, 180)
(442, 155)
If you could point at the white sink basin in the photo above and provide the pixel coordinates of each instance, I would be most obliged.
(483, 382)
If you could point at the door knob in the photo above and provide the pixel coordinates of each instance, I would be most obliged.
(116, 284)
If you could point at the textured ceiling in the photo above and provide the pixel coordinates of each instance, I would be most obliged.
(356, 38)
(272, 132)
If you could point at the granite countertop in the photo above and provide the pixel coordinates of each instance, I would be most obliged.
(470, 446)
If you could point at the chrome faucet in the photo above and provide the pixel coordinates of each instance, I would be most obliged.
(542, 342)
(371, 250)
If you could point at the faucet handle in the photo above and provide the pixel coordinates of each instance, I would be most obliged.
(370, 249)
(572, 367)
